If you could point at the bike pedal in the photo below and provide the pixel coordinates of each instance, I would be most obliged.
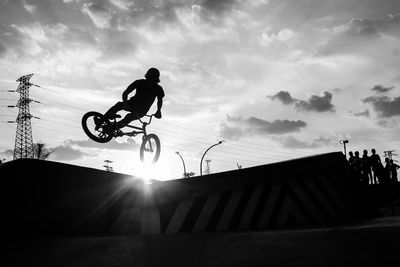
(119, 133)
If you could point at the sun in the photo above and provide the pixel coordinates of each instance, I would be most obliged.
(150, 172)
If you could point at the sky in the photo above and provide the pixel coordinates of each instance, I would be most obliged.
(275, 80)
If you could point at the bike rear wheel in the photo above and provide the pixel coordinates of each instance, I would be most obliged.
(150, 149)
(96, 133)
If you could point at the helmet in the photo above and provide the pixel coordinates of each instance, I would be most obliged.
(153, 74)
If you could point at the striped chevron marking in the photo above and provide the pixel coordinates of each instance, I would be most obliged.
(179, 216)
(294, 201)
(269, 205)
(127, 222)
(229, 210)
(206, 212)
(250, 208)
(150, 221)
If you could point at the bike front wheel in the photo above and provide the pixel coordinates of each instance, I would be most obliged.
(150, 149)
(93, 124)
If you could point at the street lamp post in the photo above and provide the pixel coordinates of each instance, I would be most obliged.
(201, 161)
(183, 162)
(344, 142)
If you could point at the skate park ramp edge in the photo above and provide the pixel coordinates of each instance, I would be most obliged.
(50, 198)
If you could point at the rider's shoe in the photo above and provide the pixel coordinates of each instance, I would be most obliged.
(98, 122)
(119, 133)
(109, 128)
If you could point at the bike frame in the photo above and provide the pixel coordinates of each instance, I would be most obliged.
(141, 130)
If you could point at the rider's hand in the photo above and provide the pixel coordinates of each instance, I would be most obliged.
(158, 114)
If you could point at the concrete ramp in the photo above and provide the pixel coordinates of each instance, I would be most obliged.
(54, 199)
(59, 199)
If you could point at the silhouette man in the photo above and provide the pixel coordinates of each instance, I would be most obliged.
(376, 165)
(393, 171)
(387, 171)
(366, 168)
(351, 158)
(147, 90)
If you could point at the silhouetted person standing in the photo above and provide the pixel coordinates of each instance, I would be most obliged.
(376, 165)
(366, 168)
(351, 157)
(357, 162)
(386, 171)
(393, 171)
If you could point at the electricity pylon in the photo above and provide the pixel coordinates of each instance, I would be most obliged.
(23, 140)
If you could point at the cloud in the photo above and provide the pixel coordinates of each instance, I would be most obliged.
(362, 27)
(100, 13)
(317, 103)
(384, 106)
(77, 149)
(3, 49)
(291, 142)
(275, 127)
(122, 4)
(129, 144)
(8, 153)
(381, 89)
(236, 127)
(124, 14)
(284, 97)
(218, 6)
(363, 113)
(29, 7)
(375, 27)
(229, 132)
(68, 153)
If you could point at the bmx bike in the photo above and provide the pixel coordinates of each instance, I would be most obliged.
(102, 130)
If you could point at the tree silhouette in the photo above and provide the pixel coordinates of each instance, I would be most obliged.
(40, 151)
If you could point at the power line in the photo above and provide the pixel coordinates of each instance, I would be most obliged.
(257, 146)
(164, 130)
(62, 104)
(54, 130)
(171, 132)
(60, 123)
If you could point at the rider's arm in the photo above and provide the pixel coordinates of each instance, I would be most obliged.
(127, 91)
(159, 103)
(160, 96)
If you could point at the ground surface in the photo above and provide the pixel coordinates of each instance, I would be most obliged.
(370, 243)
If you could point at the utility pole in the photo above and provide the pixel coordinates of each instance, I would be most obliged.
(344, 142)
(23, 140)
(185, 175)
(201, 161)
(107, 165)
(389, 154)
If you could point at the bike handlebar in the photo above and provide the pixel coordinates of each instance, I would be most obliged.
(150, 116)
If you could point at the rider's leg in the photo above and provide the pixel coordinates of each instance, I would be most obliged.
(126, 120)
(113, 110)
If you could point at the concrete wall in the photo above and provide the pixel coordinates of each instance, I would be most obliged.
(48, 198)
(308, 191)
